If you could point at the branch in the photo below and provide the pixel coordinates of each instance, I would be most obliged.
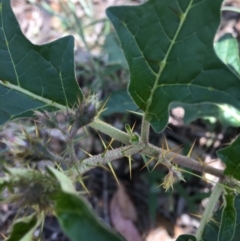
(154, 151)
(109, 156)
(145, 130)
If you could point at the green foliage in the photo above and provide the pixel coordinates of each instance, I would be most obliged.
(74, 215)
(33, 77)
(169, 49)
(212, 228)
(23, 229)
(78, 222)
(119, 102)
(228, 220)
(228, 51)
(230, 156)
(225, 114)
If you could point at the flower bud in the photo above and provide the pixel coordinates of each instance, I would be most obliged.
(173, 176)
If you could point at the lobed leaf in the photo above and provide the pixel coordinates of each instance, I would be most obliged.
(31, 76)
(169, 49)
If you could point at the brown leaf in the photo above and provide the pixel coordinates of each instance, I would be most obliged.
(123, 215)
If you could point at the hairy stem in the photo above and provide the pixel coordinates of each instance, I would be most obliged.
(145, 130)
(111, 131)
(104, 158)
(183, 161)
(154, 151)
(208, 213)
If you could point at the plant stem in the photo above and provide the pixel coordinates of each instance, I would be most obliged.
(154, 151)
(145, 130)
(208, 213)
(111, 131)
(183, 161)
(109, 156)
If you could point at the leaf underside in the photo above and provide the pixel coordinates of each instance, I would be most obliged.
(169, 49)
(32, 76)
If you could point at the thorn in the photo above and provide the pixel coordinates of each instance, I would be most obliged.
(191, 149)
(36, 130)
(135, 112)
(200, 160)
(109, 145)
(90, 155)
(83, 185)
(210, 162)
(48, 140)
(161, 157)
(113, 172)
(169, 128)
(103, 143)
(104, 167)
(58, 166)
(102, 109)
(133, 126)
(130, 166)
(85, 129)
(3, 235)
(148, 162)
(175, 154)
(69, 128)
(166, 143)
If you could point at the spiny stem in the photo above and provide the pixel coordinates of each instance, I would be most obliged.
(154, 151)
(208, 213)
(145, 130)
(109, 156)
(183, 161)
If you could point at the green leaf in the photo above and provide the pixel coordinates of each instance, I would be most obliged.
(227, 50)
(230, 156)
(212, 228)
(225, 114)
(114, 51)
(168, 45)
(33, 77)
(24, 228)
(228, 220)
(119, 102)
(186, 237)
(75, 217)
(78, 222)
(65, 183)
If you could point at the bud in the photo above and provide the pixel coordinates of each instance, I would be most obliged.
(173, 176)
(86, 111)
